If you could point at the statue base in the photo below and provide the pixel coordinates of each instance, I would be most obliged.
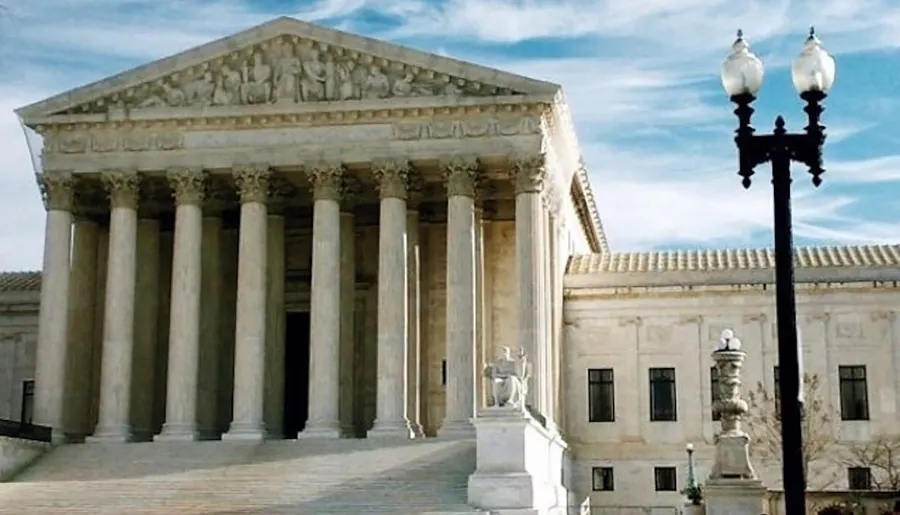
(735, 497)
(518, 466)
(733, 457)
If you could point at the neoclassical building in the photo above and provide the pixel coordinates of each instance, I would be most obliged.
(296, 232)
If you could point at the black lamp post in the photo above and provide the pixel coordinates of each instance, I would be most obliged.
(813, 76)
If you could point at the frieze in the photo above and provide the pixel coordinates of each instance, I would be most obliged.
(288, 70)
(100, 142)
(211, 135)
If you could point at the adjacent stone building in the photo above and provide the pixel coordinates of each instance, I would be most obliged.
(296, 231)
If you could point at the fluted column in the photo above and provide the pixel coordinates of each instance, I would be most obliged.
(275, 256)
(414, 308)
(460, 174)
(348, 404)
(250, 325)
(188, 189)
(390, 418)
(82, 305)
(210, 325)
(325, 304)
(529, 178)
(118, 325)
(482, 351)
(146, 329)
(52, 351)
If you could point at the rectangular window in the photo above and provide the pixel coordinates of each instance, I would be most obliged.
(854, 393)
(443, 372)
(602, 479)
(859, 478)
(27, 414)
(601, 395)
(662, 395)
(714, 392)
(665, 479)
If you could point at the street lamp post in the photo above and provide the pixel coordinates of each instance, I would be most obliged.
(813, 76)
(692, 488)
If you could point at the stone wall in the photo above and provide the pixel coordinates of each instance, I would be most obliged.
(18, 334)
(840, 324)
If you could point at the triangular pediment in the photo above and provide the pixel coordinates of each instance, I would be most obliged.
(291, 62)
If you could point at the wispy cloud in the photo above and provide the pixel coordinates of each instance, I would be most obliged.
(641, 78)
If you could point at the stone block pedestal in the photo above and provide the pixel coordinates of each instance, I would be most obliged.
(735, 497)
(518, 466)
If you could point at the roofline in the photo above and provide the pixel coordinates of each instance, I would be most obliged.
(264, 31)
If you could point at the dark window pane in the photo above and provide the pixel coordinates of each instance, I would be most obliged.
(664, 477)
(859, 478)
(854, 393)
(663, 406)
(601, 395)
(27, 414)
(602, 479)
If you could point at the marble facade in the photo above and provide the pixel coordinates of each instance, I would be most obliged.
(371, 186)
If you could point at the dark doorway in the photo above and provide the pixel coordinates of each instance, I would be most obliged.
(296, 373)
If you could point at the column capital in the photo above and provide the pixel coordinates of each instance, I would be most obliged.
(460, 174)
(252, 182)
(123, 187)
(57, 190)
(188, 185)
(530, 172)
(326, 180)
(392, 177)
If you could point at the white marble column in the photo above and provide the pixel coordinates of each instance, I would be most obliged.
(210, 324)
(325, 304)
(53, 325)
(250, 325)
(414, 307)
(82, 278)
(146, 329)
(275, 274)
(349, 384)
(188, 188)
(482, 350)
(460, 175)
(390, 409)
(530, 173)
(118, 326)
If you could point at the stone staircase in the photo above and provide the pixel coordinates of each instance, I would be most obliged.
(229, 478)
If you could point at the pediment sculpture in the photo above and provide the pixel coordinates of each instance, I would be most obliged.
(508, 378)
(288, 70)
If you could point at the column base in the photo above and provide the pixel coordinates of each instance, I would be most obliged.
(111, 434)
(457, 429)
(390, 429)
(245, 432)
(177, 433)
(323, 431)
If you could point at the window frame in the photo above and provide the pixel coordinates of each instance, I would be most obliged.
(856, 381)
(607, 474)
(26, 411)
(655, 414)
(658, 474)
(601, 382)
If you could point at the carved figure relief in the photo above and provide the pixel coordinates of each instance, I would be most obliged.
(289, 69)
(659, 333)
(849, 330)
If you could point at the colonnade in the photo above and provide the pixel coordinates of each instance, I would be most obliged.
(195, 275)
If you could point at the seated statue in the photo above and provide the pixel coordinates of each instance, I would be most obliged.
(508, 379)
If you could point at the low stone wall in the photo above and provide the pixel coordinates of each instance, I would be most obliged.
(18, 453)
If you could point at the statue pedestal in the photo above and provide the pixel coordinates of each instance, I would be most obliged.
(519, 465)
(735, 497)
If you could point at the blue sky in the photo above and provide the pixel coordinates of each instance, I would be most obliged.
(641, 77)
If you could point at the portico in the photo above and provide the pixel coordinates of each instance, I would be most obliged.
(264, 253)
